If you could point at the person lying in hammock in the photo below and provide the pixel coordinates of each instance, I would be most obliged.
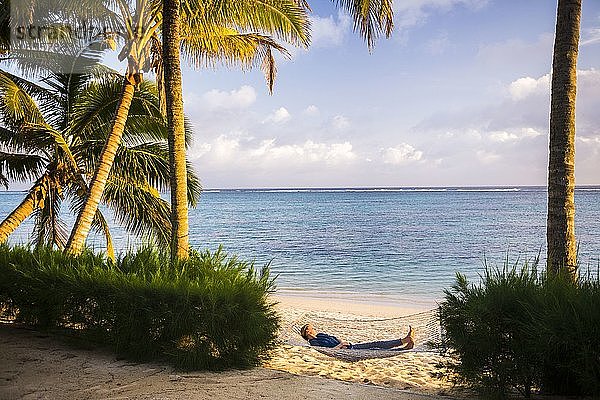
(320, 339)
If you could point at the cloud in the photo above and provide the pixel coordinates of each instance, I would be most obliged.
(503, 136)
(416, 12)
(243, 97)
(487, 157)
(340, 123)
(513, 135)
(524, 87)
(329, 32)
(401, 155)
(592, 36)
(506, 140)
(312, 110)
(249, 153)
(279, 116)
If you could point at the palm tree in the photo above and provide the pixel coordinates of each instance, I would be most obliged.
(371, 19)
(141, 50)
(560, 235)
(219, 39)
(56, 138)
(138, 30)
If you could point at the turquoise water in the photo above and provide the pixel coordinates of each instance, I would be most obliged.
(399, 244)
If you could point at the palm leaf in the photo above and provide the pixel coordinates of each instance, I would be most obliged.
(139, 208)
(99, 224)
(16, 105)
(20, 167)
(372, 18)
(286, 20)
(49, 229)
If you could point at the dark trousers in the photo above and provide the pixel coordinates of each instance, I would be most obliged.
(383, 344)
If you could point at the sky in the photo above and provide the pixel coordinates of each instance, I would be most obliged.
(458, 96)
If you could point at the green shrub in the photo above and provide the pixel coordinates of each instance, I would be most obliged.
(525, 331)
(209, 312)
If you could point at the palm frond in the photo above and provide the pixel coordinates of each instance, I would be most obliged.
(139, 208)
(49, 229)
(145, 162)
(16, 105)
(285, 20)
(21, 167)
(94, 110)
(372, 18)
(222, 45)
(194, 186)
(99, 224)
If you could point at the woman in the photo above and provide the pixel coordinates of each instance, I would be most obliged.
(320, 339)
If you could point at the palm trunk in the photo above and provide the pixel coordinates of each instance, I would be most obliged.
(84, 220)
(20, 214)
(562, 247)
(175, 119)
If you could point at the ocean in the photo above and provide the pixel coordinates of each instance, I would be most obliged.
(394, 245)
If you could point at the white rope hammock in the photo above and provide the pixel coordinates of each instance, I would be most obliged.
(426, 326)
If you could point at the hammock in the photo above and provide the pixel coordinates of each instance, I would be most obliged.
(426, 326)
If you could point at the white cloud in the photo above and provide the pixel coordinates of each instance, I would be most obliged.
(198, 150)
(279, 116)
(524, 87)
(514, 135)
(224, 148)
(329, 32)
(503, 136)
(592, 36)
(401, 155)
(250, 153)
(312, 110)
(234, 99)
(487, 157)
(340, 123)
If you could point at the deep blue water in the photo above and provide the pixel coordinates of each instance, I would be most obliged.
(401, 244)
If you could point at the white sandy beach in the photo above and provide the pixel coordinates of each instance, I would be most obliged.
(38, 366)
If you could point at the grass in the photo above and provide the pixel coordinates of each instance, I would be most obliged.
(210, 312)
(521, 330)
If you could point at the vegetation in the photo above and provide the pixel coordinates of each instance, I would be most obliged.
(54, 133)
(521, 330)
(213, 34)
(210, 312)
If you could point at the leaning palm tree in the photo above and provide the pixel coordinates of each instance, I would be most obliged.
(560, 235)
(141, 38)
(55, 138)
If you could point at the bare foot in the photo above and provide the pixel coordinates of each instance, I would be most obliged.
(410, 344)
(410, 336)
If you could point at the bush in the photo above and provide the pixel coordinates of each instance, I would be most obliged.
(520, 330)
(210, 312)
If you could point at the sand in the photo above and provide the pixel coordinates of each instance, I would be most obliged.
(414, 371)
(40, 366)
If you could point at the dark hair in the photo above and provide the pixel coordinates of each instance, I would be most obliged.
(303, 331)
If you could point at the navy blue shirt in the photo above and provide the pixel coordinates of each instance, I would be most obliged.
(324, 340)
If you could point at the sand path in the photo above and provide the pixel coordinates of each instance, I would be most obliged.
(37, 366)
